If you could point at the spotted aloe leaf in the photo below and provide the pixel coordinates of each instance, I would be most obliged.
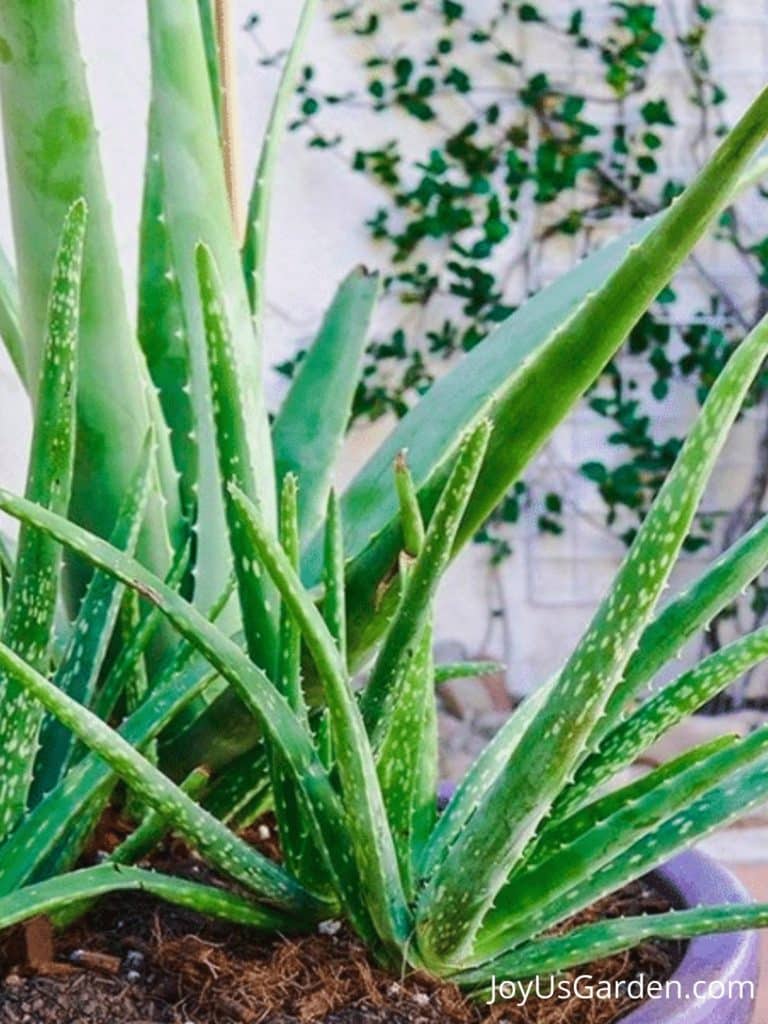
(196, 209)
(309, 428)
(294, 826)
(51, 149)
(683, 617)
(78, 672)
(516, 802)
(550, 341)
(50, 838)
(62, 892)
(537, 896)
(162, 325)
(659, 714)
(366, 819)
(278, 721)
(592, 942)
(221, 847)
(423, 577)
(236, 460)
(241, 787)
(257, 227)
(29, 619)
(729, 797)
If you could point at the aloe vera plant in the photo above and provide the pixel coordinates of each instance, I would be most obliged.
(227, 635)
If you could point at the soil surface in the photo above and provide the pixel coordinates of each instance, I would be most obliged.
(133, 960)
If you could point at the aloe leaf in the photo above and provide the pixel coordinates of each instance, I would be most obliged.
(536, 893)
(682, 618)
(78, 671)
(10, 318)
(673, 704)
(275, 716)
(410, 513)
(51, 149)
(135, 646)
(294, 827)
(550, 338)
(517, 801)
(309, 428)
(474, 784)
(366, 819)
(334, 604)
(214, 841)
(449, 670)
(31, 610)
(236, 459)
(197, 210)
(407, 760)
(162, 326)
(729, 797)
(423, 577)
(51, 833)
(211, 45)
(242, 786)
(257, 228)
(560, 831)
(289, 664)
(59, 893)
(593, 942)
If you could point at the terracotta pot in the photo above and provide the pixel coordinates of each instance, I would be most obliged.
(723, 962)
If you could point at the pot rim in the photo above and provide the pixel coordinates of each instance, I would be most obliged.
(728, 958)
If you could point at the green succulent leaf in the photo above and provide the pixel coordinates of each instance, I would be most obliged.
(10, 318)
(236, 460)
(594, 941)
(52, 157)
(309, 428)
(60, 893)
(549, 342)
(78, 671)
(226, 851)
(29, 619)
(516, 802)
(196, 211)
(366, 818)
(660, 713)
(257, 227)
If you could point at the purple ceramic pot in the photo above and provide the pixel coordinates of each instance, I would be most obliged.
(724, 963)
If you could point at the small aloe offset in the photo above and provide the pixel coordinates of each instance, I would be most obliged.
(227, 635)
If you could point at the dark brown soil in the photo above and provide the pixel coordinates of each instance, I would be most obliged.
(136, 961)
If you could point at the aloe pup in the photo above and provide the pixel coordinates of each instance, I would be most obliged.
(290, 629)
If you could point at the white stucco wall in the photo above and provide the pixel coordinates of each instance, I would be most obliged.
(551, 585)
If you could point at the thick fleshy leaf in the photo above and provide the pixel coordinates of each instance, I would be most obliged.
(517, 801)
(595, 941)
(79, 669)
(10, 318)
(309, 428)
(236, 459)
(365, 815)
(551, 338)
(29, 620)
(221, 847)
(196, 210)
(87, 884)
(257, 228)
(52, 157)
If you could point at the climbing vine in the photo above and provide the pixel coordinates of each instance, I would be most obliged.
(514, 142)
